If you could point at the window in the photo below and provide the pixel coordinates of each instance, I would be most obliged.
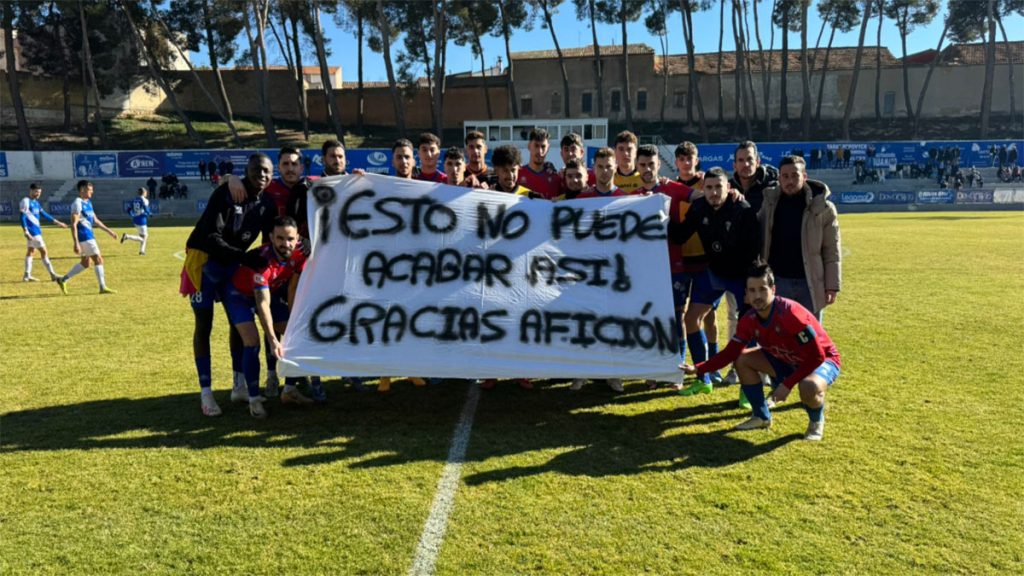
(587, 105)
(616, 101)
(679, 99)
(600, 132)
(890, 104)
(588, 131)
(526, 105)
(556, 103)
(641, 100)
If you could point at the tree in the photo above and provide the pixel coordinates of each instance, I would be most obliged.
(766, 71)
(588, 9)
(928, 77)
(787, 17)
(909, 14)
(805, 78)
(258, 50)
(656, 23)
(748, 59)
(718, 68)
(361, 14)
(386, 37)
(742, 103)
(880, 10)
(842, 15)
(970, 20)
(440, 57)
(1009, 7)
(317, 34)
(171, 37)
(626, 11)
(856, 69)
(472, 19)
(546, 8)
(513, 14)
(12, 77)
(990, 68)
(151, 51)
(686, 10)
(201, 22)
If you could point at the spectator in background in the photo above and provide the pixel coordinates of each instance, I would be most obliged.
(222, 167)
(151, 186)
(202, 169)
(229, 167)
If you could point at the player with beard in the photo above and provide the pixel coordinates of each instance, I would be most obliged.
(792, 347)
(539, 175)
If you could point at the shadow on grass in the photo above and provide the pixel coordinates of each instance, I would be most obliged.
(602, 433)
(952, 217)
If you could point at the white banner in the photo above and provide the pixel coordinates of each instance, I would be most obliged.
(410, 278)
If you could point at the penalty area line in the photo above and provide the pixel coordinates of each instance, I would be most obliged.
(429, 546)
(180, 255)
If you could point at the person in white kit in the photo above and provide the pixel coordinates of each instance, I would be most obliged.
(82, 221)
(31, 211)
(139, 211)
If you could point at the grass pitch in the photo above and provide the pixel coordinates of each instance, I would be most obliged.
(109, 467)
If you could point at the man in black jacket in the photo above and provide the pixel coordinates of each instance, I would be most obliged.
(730, 234)
(215, 249)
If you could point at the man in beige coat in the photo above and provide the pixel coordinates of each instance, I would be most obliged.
(801, 237)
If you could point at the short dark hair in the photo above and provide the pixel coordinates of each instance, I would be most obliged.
(573, 165)
(259, 157)
(538, 135)
(401, 143)
(604, 152)
(328, 145)
(797, 161)
(505, 156)
(571, 139)
(686, 148)
(82, 184)
(35, 186)
(428, 138)
(746, 145)
(716, 172)
(761, 269)
(285, 221)
(289, 150)
(648, 150)
(455, 153)
(625, 136)
(141, 191)
(475, 135)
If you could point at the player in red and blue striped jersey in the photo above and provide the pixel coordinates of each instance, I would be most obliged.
(792, 347)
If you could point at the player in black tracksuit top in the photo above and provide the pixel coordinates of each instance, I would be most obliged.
(225, 231)
(731, 236)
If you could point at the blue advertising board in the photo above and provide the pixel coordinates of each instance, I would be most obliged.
(895, 197)
(95, 165)
(6, 209)
(201, 205)
(975, 197)
(936, 196)
(855, 198)
(3, 164)
(182, 163)
(60, 208)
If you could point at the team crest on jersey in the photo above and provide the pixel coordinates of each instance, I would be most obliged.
(706, 222)
(258, 279)
(728, 225)
(716, 246)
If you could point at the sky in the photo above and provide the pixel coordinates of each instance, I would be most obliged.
(573, 33)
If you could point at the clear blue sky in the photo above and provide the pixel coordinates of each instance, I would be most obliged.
(572, 33)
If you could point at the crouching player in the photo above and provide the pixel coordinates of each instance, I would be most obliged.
(267, 292)
(792, 347)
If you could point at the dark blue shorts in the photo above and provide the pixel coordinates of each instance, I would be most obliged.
(828, 371)
(213, 287)
(241, 308)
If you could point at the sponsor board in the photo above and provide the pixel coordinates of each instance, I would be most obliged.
(895, 197)
(3, 164)
(60, 208)
(96, 165)
(154, 206)
(936, 196)
(201, 205)
(6, 209)
(1008, 196)
(974, 197)
(856, 197)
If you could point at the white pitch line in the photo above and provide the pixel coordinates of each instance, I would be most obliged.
(180, 255)
(429, 546)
